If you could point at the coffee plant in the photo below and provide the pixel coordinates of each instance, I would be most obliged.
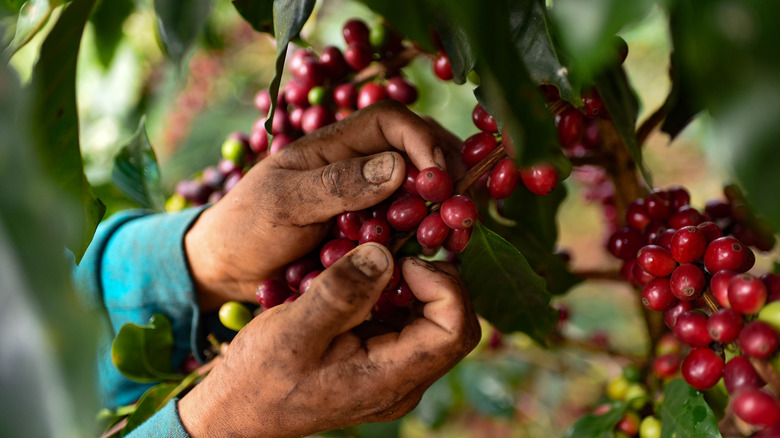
(549, 111)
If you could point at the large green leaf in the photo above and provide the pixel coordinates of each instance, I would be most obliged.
(152, 401)
(107, 22)
(685, 414)
(33, 16)
(681, 105)
(289, 18)
(258, 13)
(599, 426)
(179, 23)
(504, 288)
(143, 352)
(535, 234)
(55, 120)
(136, 173)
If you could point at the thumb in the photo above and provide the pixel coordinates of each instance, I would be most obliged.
(317, 195)
(342, 296)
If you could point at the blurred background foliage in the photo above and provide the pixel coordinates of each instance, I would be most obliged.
(509, 386)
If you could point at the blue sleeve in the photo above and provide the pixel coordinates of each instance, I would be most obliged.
(136, 267)
(164, 423)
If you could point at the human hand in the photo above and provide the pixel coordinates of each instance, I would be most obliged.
(299, 368)
(282, 208)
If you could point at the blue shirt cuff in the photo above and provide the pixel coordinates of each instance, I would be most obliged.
(165, 423)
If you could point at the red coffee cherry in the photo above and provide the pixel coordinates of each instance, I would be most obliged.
(747, 294)
(432, 231)
(772, 283)
(624, 244)
(401, 90)
(570, 125)
(540, 179)
(640, 276)
(629, 424)
(297, 270)
(332, 63)
(307, 280)
(375, 230)
(370, 93)
(271, 293)
(355, 31)
(656, 260)
(401, 295)
(666, 366)
(434, 184)
(673, 313)
(658, 205)
(334, 250)
(687, 282)
(483, 120)
(740, 374)
(345, 95)
(459, 212)
(657, 295)
(711, 231)
(315, 117)
(719, 285)
(756, 407)
(593, 104)
(702, 368)
(441, 67)
(457, 240)
(406, 213)
(636, 215)
(477, 147)
(691, 328)
(350, 222)
(724, 325)
(688, 244)
(725, 253)
(758, 339)
(679, 197)
(664, 239)
(503, 179)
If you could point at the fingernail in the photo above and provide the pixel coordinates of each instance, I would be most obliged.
(370, 259)
(438, 158)
(379, 169)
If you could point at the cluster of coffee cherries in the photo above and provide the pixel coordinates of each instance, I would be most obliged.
(638, 419)
(697, 276)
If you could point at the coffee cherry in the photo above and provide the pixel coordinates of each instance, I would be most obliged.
(401, 295)
(457, 240)
(718, 209)
(234, 315)
(688, 245)
(685, 217)
(504, 178)
(432, 231)
(711, 231)
(636, 215)
(434, 184)
(355, 31)
(640, 276)
(668, 344)
(441, 66)
(334, 250)
(740, 374)
(672, 314)
(258, 141)
(375, 230)
(772, 283)
(666, 366)
(592, 103)
(307, 280)
(350, 222)
(281, 122)
(657, 207)
(459, 212)
(370, 93)
(702, 368)
(664, 239)
(297, 270)
(624, 244)
(333, 64)
(234, 150)
(315, 117)
(724, 253)
(756, 407)
(406, 213)
(570, 126)
(679, 197)
(771, 314)
(540, 179)
(401, 90)
(263, 101)
(345, 95)
(724, 325)
(656, 260)
(483, 120)
(271, 293)
(212, 177)
(629, 424)
(691, 328)
(719, 284)
(309, 73)
(687, 282)
(617, 388)
(383, 309)
(747, 294)
(650, 427)
(297, 94)
(476, 148)
(358, 56)
(657, 295)
(758, 339)
(193, 191)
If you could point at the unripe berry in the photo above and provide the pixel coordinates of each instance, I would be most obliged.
(234, 315)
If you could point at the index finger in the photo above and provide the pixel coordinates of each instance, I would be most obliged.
(384, 126)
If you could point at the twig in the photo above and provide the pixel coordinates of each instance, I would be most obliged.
(710, 300)
(381, 68)
(765, 370)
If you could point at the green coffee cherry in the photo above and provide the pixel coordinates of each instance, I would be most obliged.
(234, 150)
(317, 95)
(636, 396)
(650, 427)
(632, 373)
(616, 389)
(771, 314)
(234, 315)
(377, 36)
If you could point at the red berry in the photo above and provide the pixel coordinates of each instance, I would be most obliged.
(719, 284)
(756, 407)
(401, 295)
(724, 325)
(483, 120)
(592, 103)
(334, 250)
(297, 270)
(772, 283)
(432, 231)
(333, 64)
(263, 101)
(624, 244)
(406, 213)
(687, 282)
(540, 179)
(691, 328)
(503, 179)
(457, 240)
(306, 281)
(477, 147)
(747, 294)
(375, 230)
(740, 374)
(401, 90)
(370, 93)
(629, 424)
(350, 222)
(271, 293)
(664, 239)
(550, 92)
(640, 276)
(688, 244)
(309, 73)
(441, 67)
(459, 212)
(345, 95)
(666, 366)
(656, 260)
(657, 207)
(395, 278)
(315, 117)
(725, 253)
(637, 216)
(702, 368)
(355, 31)
(383, 309)
(679, 197)
(673, 313)
(711, 230)
(434, 184)
(570, 126)
(657, 295)
(685, 217)
(668, 344)
(410, 183)
(758, 339)
(718, 209)
(358, 56)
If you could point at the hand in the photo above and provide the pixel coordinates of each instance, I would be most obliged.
(298, 368)
(282, 209)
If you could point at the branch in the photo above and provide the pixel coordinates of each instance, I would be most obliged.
(600, 275)
(381, 68)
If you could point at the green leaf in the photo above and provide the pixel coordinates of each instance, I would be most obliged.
(414, 19)
(179, 23)
(536, 233)
(107, 22)
(258, 13)
(289, 18)
(680, 106)
(437, 402)
(685, 414)
(623, 108)
(33, 16)
(152, 401)
(143, 352)
(55, 120)
(136, 173)
(504, 288)
(486, 388)
(532, 37)
(458, 48)
(599, 426)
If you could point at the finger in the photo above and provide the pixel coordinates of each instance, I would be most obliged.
(384, 126)
(312, 196)
(431, 345)
(451, 146)
(340, 297)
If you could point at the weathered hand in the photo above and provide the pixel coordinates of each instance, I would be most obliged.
(283, 207)
(298, 368)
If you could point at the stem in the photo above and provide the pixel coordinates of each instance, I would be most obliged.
(650, 124)
(381, 68)
(765, 370)
(710, 300)
(600, 275)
